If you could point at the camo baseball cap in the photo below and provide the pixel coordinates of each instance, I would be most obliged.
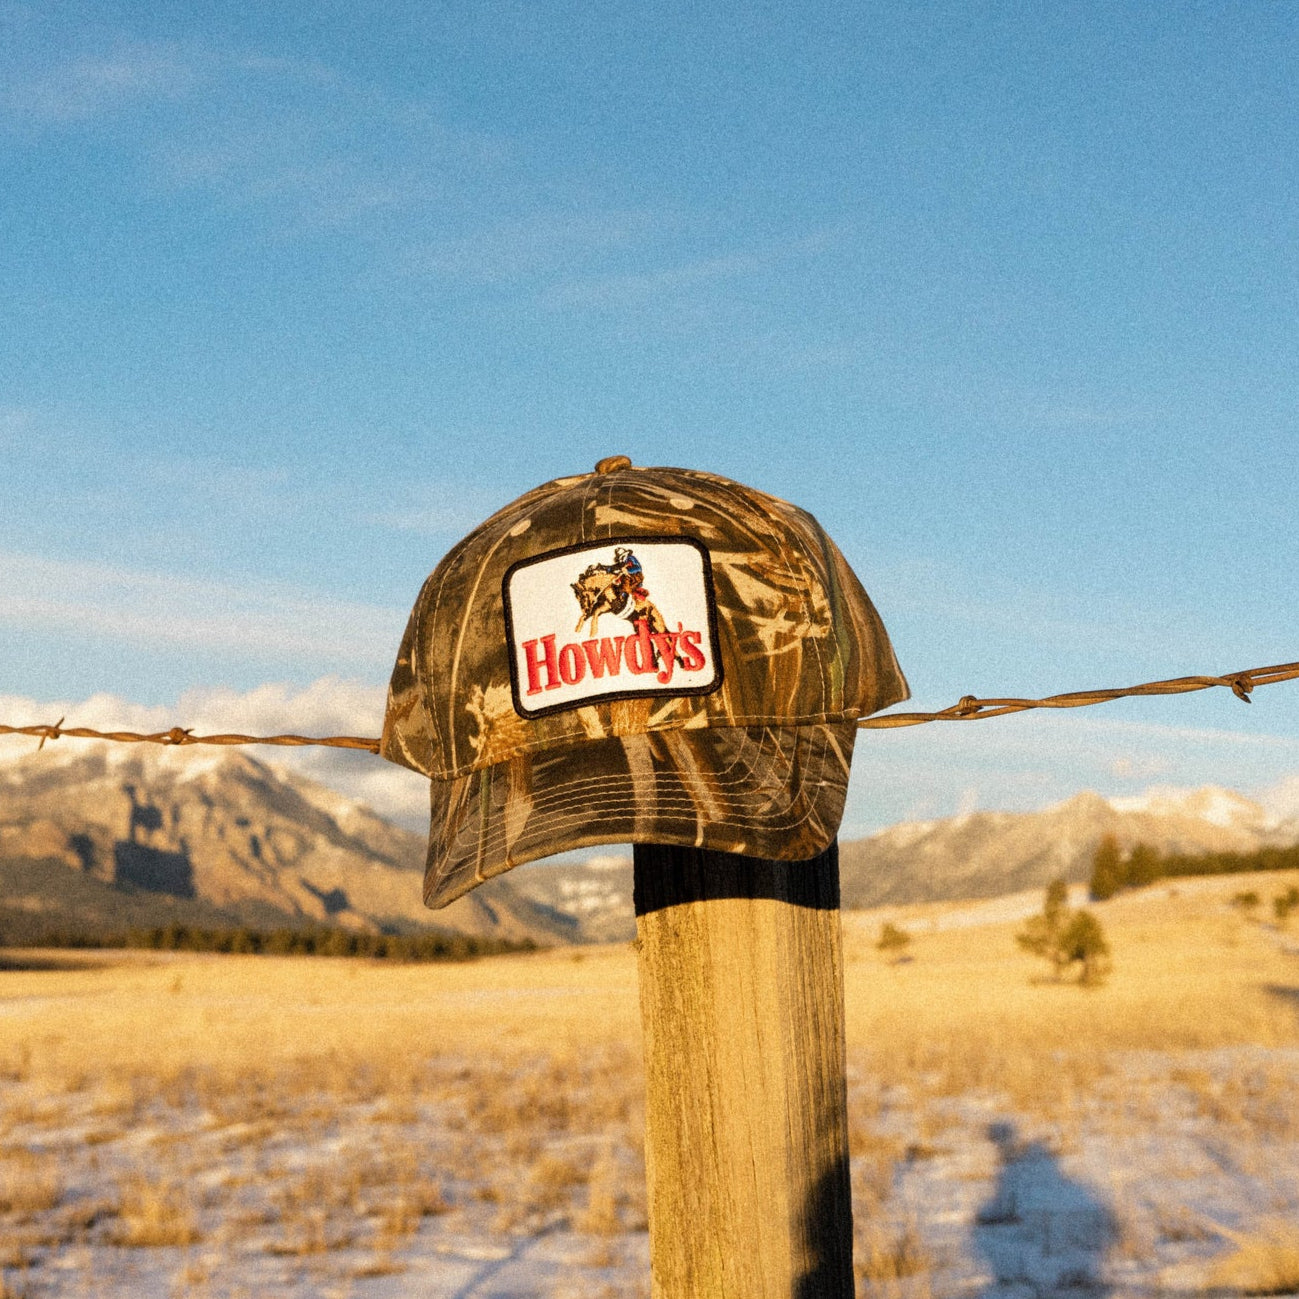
(635, 655)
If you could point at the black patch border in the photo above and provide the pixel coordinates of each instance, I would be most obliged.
(659, 692)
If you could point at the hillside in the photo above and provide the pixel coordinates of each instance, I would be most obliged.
(100, 839)
(980, 855)
(987, 854)
(105, 838)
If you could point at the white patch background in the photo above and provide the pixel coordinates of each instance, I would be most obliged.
(542, 603)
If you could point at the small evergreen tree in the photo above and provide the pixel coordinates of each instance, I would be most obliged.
(893, 941)
(1056, 906)
(1107, 870)
(1143, 867)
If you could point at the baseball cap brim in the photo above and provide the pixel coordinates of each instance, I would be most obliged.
(764, 791)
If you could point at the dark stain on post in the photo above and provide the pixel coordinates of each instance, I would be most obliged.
(669, 876)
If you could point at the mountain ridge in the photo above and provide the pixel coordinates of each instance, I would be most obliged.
(223, 839)
(987, 854)
(114, 838)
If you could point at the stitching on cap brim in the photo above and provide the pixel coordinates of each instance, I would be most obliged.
(758, 812)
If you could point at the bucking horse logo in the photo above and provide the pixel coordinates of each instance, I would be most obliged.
(617, 589)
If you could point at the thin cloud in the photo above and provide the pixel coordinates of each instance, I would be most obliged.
(631, 289)
(1156, 731)
(545, 244)
(315, 149)
(292, 136)
(620, 289)
(328, 706)
(282, 164)
(1066, 414)
(91, 85)
(439, 510)
(149, 608)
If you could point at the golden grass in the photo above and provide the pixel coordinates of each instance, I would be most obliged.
(528, 1069)
(970, 1012)
(251, 1037)
(1264, 1262)
(886, 1253)
(29, 1182)
(355, 1025)
(154, 1213)
(600, 1217)
(309, 1229)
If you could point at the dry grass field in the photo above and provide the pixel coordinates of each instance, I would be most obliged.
(178, 1124)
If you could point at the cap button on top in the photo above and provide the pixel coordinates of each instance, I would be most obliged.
(611, 464)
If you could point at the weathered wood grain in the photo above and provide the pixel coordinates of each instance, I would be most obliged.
(741, 988)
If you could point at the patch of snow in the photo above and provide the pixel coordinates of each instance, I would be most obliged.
(1282, 799)
(330, 801)
(1217, 806)
(905, 833)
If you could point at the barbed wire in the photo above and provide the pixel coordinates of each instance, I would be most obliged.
(179, 735)
(967, 709)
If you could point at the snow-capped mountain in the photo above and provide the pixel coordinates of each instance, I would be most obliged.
(985, 854)
(108, 837)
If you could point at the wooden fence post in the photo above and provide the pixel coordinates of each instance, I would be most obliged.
(741, 990)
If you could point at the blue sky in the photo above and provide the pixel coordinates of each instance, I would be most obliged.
(292, 296)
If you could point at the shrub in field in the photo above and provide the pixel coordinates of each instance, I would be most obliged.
(893, 942)
(1041, 935)
(1246, 901)
(1083, 944)
(1067, 938)
(1264, 1262)
(1284, 903)
(600, 1217)
(886, 1253)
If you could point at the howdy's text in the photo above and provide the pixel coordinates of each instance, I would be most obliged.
(645, 652)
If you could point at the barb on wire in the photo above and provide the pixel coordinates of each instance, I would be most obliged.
(179, 735)
(967, 709)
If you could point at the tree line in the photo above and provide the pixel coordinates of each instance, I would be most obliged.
(294, 942)
(1113, 870)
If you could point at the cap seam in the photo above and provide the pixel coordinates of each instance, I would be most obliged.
(580, 741)
(482, 565)
(775, 536)
(429, 704)
(595, 782)
(486, 844)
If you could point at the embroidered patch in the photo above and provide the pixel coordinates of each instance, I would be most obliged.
(630, 616)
